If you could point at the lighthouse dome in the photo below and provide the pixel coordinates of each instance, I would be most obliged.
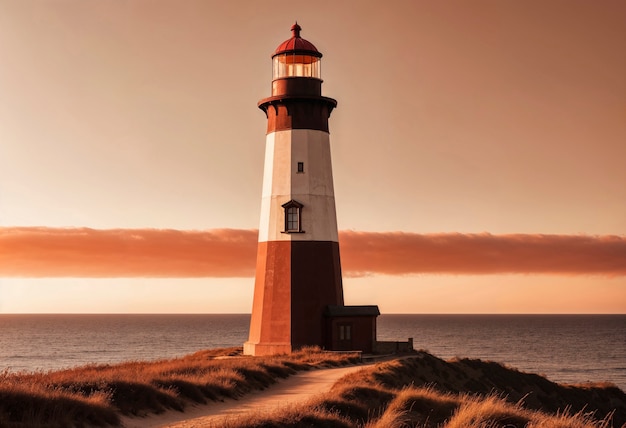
(297, 44)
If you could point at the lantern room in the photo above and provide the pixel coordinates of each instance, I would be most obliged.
(294, 59)
(293, 64)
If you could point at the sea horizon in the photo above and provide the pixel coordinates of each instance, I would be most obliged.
(248, 313)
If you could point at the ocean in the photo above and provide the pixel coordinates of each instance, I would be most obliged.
(564, 348)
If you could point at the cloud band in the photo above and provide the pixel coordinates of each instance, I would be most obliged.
(83, 252)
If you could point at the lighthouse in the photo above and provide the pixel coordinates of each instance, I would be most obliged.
(298, 293)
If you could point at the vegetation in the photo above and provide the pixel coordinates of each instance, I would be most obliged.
(427, 392)
(96, 395)
(419, 391)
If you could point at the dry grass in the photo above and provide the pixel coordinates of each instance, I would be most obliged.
(423, 407)
(32, 405)
(412, 408)
(426, 392)
(304, 415)
(418, 392)
(96, 395)
(488, 412)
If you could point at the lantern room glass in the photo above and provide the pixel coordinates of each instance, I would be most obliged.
(296, 65)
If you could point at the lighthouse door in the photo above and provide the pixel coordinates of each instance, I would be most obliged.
(345, 336)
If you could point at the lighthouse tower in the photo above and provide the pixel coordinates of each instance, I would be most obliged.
(298, 271)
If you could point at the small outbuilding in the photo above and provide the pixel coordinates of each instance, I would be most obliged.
(350, 328)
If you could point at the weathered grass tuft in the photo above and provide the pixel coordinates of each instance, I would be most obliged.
(489, 412)
(567, 420)
(25, 407)
(303, 415)
(423, 407)
(357, 403)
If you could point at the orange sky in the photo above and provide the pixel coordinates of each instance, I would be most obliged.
(484, 124)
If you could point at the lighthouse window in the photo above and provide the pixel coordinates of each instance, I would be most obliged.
(293, 213)
(300, 166)
(293, 219)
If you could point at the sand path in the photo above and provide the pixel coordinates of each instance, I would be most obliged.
(296, 388)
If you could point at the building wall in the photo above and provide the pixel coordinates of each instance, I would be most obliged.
(362, 332)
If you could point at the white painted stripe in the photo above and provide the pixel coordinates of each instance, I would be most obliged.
(313, 188)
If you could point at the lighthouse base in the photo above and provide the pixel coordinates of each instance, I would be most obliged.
(295, 282)
(263, 349)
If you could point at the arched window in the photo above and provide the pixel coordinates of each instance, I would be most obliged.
(293, 217)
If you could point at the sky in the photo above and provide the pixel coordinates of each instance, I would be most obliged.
(478, 152)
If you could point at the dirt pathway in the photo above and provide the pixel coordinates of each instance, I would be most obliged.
(294, 389)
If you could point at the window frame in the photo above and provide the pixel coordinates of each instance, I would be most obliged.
(289, 226)
(344, 332)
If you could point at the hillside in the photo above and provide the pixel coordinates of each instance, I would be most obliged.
(427, 392)
(411, 391)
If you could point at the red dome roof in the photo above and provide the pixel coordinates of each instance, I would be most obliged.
(297, 43)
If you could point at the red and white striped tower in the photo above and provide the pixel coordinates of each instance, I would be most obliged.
(298, 271)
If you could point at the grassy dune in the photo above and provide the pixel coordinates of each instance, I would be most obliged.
(96, 395)
(425, 392)
(419, 391)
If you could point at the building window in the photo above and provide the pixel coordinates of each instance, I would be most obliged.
(345, 332)
(293, 217)
(300, 167)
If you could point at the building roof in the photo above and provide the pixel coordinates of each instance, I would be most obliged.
(297, 44)
(352, 311)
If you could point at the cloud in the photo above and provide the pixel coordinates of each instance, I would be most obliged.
(397, 253)
(83, 252)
